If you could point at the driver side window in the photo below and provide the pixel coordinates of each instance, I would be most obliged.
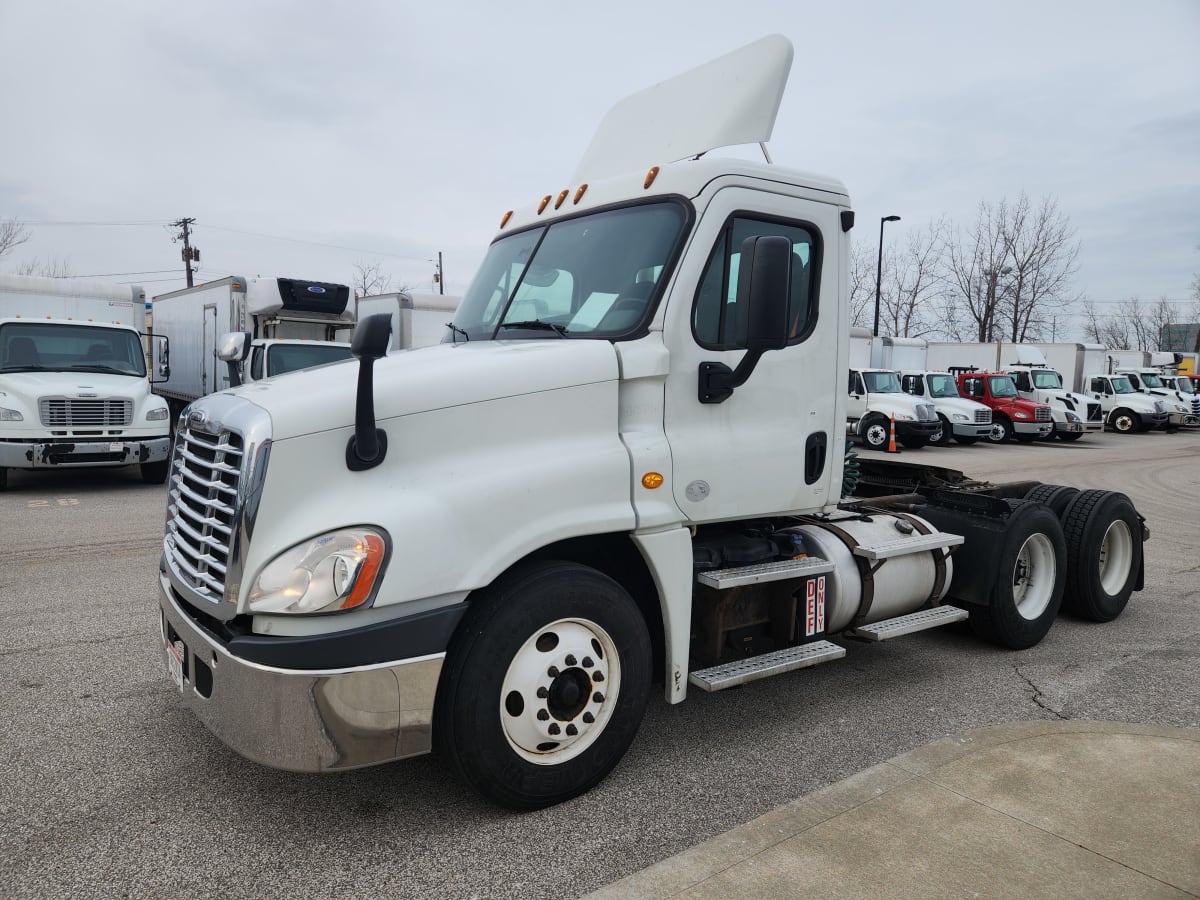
(717, 322)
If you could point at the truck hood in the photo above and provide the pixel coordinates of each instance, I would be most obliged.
(73, 385)
(429, 378)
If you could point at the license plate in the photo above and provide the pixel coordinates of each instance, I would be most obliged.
(175, 663)
(116, 447)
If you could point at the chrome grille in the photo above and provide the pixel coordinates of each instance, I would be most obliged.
(926, 412)
(1158, 406)
(983, 416)
(1094, 412)
(202, 507)
(1042, 414)
(64, 412)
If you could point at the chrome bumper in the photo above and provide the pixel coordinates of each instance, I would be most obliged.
(1040, 428)
(304, 721)
(67, 453)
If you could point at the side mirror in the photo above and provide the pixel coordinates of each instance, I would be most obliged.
(232, 348)
(368, 446)
(763, 290)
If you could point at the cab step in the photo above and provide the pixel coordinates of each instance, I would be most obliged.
(743, 671)
(921, 620)
(723, 579)
(917, 544)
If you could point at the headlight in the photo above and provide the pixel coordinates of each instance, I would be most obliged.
(1071, 417)
(335, 571)
(10, 415)
(959, 417)
(905, 417)
(155, 414)
(1020, 415)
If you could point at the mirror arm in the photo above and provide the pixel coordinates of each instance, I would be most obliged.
(718, 381)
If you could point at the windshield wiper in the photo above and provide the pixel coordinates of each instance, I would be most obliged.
(93, 368)
(23, 369)
(537, 325)
(455, 331)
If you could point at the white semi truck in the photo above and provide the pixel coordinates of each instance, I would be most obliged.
(289, 323)
(73, 385)
(876, 404)
(629, 467)
(1149, 381)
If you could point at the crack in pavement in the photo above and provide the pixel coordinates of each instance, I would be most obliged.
(1037, 694)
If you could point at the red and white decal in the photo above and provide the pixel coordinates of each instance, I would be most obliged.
(814, 603)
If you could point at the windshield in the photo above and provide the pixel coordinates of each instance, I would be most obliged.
(1121, 385)
(1047, 379)
(45, 347)
(1150, 380)
(1184, 385)
(942, 386)
(593, 276)
(1002, 386)
(882, 382)
(283, 358)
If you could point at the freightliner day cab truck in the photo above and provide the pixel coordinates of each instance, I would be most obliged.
(73, 384)
(1012, 415)
(960, 419)
(284, 324)
(876, 402)
(1150, 381)
(627, 467)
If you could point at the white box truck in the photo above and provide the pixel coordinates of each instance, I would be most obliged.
(73, 385)
(630, 469)
(419, 319)
(291, 323)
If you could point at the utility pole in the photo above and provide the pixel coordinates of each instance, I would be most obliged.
(190, 254)
(438, 278)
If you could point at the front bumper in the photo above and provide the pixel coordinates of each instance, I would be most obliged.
(303, 720)
(971, 429)
(1079, 427)
(1039, 428)
(71, 453)
(917, 429)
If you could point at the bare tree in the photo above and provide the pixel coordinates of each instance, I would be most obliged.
(1041, 251)
(51, 268)
(915, 281)
(974, 264)
(369, 279)
(862, 285)
(13, 233)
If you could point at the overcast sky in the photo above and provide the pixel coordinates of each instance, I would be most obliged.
(306, 137)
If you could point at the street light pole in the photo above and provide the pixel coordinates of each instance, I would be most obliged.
(879, 270)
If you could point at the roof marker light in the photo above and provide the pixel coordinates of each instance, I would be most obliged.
(504, 219)
(650, 176)
(579, 192)
(561, 197)
(542, 206)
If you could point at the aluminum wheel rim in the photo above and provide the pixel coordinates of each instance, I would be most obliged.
(1116, 556)
(1033, 576)
(559, 691)
(1124, 423)
(877, 435)
(997, 433)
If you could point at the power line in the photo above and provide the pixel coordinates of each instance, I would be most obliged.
(277, 237)
(115, 274)
(75, 224)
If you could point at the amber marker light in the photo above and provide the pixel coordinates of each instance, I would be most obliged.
(652, 480)
(650, 176)
(579, 192)
(559, 200)
(504, 219)
(545, 202)
(365, 581)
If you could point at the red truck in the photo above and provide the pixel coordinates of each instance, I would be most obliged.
(1012, 415)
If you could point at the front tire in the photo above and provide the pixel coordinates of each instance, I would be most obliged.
(875, 431)
(1104, 554)
(1124, 421)
(1002, 431)
(944, 434)
(1031, 576)
(544, 685)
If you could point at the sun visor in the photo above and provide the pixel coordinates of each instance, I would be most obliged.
(732, 100)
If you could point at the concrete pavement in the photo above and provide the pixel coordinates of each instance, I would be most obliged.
(1027, 809)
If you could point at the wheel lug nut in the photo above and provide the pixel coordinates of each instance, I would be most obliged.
(597, 697)
(587, 662)
(570, 660)
(588, 718)
(543, 693)
(543, 715)
(572, 731)
(552, 671)
(554, 729)
(598, 676)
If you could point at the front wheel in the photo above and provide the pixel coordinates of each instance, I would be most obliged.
(945, 432)
(1030, 579)
(1002, 431)
(875, 431)
(1125, 421)
(544, 685)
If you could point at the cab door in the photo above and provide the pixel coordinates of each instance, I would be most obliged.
(770, 447)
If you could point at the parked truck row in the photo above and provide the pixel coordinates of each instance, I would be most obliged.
(627, 467)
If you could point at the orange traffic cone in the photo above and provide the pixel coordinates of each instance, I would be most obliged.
(892, 437)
